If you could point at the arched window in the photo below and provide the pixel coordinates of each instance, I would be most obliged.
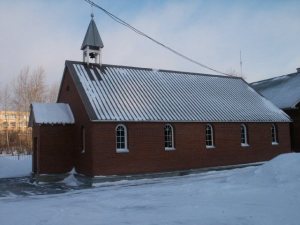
(274, 134)
(121, 138)
(244, 135)
(209, 136)
(169, 137)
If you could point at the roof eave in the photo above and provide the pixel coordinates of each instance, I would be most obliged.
(189, 121)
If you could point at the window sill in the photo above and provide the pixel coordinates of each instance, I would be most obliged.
(275, 143)
(210, 146)
(245, 145)
(170, 149)
(122, 150)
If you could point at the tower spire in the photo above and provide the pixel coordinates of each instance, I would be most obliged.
(92, 44)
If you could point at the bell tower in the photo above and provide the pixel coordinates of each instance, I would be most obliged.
(92, 44)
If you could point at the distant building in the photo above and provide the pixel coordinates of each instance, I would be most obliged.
(15, 135)
(284, 92)
(112, 119)
(13, 121)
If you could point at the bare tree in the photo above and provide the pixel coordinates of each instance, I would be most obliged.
(5, 99)
(52, 92)
(20, 85)
(29, 87)
(37, 88)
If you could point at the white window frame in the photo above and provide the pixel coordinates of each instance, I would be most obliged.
(172, 136)
(125, 149)
(211, 135)
(274, 134)
(244, 135)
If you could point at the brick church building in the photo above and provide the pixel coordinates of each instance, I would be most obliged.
(112, 119)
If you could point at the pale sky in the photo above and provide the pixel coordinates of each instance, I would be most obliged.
(46, 33)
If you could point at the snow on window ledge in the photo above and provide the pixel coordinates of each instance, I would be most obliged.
(122, 150)
(275, 143)
(170, 149)
(244, 145)
(210, 146)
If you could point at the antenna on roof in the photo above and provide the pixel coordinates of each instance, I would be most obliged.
(241, 63)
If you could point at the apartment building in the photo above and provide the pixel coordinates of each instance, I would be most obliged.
(13, 121)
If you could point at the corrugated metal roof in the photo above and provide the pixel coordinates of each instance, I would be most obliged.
(92, 37)
(50, 113)
(119, 93)
(283, 91)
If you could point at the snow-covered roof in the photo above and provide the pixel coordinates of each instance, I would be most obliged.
(283, 91)
(120, 93)
(50, 113)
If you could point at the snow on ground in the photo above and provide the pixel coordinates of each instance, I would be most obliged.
(14, 166)
(263, 195)
(71, 180)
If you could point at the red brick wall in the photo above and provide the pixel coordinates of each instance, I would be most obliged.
(68, 94)
(147, 154)
(55, 148)
(295, 129)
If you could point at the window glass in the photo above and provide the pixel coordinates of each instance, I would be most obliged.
(274, 134)
(121, 137)
(209, 136)
(244, 138)
(169, 141)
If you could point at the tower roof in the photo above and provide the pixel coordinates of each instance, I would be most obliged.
(92, 37)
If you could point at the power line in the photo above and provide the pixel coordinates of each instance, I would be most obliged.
(115, 18)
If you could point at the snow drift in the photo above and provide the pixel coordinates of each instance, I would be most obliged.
(282, 169)
(12, 166)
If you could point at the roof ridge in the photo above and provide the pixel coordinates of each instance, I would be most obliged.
(162, 70)
(272, 78)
